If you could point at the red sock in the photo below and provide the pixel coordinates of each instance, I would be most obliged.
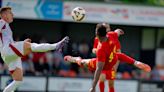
(101, 86)
(111, 89)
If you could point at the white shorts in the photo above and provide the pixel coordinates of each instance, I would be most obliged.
(10, 57)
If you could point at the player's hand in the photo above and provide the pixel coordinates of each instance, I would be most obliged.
(92, 90)
(27, 40)
(119, 31)
(94, 50)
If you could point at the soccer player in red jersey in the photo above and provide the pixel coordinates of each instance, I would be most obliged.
(109, 75)
(107, 57)
(112, 34)
(91, 63)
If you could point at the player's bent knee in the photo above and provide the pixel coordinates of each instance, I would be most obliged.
(111, 83)
(102, 77)
(18, 79)
(27, 45)
(27, 48)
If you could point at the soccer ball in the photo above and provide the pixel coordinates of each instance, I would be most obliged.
(78, 14)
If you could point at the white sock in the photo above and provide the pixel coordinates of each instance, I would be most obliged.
(12, 86)
(44, 47)
(137, 62)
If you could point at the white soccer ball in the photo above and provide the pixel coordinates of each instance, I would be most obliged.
(78, 14)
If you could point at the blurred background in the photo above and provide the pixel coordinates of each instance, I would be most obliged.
(50, 20)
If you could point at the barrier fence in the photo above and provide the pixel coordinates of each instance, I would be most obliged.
(62, 84)
(95, 12)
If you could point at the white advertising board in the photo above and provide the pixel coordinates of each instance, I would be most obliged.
(69, 84)
(95, 12)
(160, 57)
(29, 83)
(22, 8)
(126, 86)
(117, 14)
(83, 85)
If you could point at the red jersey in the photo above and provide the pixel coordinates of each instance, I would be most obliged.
(39, 55)
(106, 52)
(111, 35)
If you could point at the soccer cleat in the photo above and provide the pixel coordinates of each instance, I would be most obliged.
(142, 66)
(61, 44)
(73, 59)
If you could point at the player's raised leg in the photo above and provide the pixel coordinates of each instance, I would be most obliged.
(138, 64)
(43, 47)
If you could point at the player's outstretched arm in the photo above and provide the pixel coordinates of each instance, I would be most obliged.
(124, 58)
(94, 50)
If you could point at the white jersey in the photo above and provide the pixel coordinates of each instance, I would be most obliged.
(9, 53)
(6, 35)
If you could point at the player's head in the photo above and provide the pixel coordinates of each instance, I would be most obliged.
(101, 30)
(6, 14)
(105, 25)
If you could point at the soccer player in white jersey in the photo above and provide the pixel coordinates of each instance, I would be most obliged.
(12, 52)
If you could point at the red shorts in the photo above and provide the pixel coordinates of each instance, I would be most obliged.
(110, 74)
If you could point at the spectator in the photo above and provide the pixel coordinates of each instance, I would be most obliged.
(126, 75)
(59, 66)
(161, 43)
(84, 72)
(40, 63)
(155, 74)
(135, 74)
(145, 76)
(74, 49)
(27, 65)
(84, 49)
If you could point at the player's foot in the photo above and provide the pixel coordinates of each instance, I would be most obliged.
(142, 66)
(73, 59)
(61, 43)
